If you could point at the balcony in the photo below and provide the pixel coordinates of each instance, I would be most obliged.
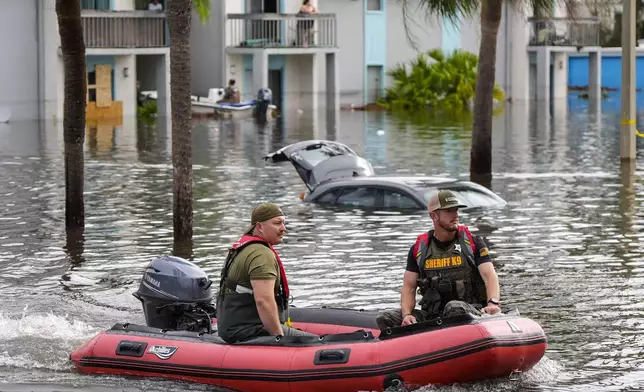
(281, 31)
(124, 29)
(564, 32)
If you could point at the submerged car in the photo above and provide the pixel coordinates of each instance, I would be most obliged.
(336, 175)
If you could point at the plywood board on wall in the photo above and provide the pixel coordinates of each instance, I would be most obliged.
(112, 114)
(103, 85)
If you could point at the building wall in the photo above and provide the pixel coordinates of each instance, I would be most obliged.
(425, 34)
(350, 24)
(450, 34)
(301, 81)
(207, 50)
(235, 70)
(19, 61)
(125, 86)
(375, 38)
(611, 77)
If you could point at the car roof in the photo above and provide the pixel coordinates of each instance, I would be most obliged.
(418, 183)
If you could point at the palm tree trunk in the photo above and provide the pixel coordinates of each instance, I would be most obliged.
(179, 15)
(73, 49)
(481, 154)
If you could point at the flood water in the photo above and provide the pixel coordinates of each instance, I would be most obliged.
(568, 248)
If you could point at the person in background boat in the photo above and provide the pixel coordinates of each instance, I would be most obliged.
(155, 5)
(231, 93)
(452, 276)
(253, 291)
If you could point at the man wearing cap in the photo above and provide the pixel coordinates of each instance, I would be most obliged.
(450, 267)
(253, 291)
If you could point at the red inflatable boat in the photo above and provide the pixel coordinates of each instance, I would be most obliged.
(180, 341)
(351, 356)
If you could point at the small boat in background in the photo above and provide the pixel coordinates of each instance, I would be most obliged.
(208, 106)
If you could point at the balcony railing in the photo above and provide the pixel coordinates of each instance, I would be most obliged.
(281, 31)
(564, 32)
(124, 29)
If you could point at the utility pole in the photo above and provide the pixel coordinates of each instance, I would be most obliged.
(627, 136)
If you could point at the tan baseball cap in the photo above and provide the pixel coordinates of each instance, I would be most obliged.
(444, 199)
(263, 212)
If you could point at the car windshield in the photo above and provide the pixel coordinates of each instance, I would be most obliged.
(472, 198)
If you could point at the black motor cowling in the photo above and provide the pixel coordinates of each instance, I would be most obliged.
(264, 98)
(175, 294)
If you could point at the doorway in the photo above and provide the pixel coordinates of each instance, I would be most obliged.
(264, 32)
(374, 83)
(275, 84)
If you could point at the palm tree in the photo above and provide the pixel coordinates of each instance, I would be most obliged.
(68, 13)
(490, 17)
(179, 22)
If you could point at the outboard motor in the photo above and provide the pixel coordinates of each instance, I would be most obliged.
(175, 295)
(264, 98)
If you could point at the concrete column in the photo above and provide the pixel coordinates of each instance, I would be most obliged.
(260, 70)
(560, 115)
(518, 59)
(125, 83)
(627, 139)
(163, 85)
(52, 77)
(594, 75)
(628, 195)
(560, 75)
(542, 121)
(312, 88)
(543, 74)
(332, 92)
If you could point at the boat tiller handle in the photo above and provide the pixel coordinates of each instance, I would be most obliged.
(131, 349)
(332, 356)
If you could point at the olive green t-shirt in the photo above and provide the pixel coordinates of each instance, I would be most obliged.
(254, 262)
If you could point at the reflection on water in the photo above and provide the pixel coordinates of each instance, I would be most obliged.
(568, 247)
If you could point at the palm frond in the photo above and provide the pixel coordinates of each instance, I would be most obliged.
(548, 5)
(203, 9)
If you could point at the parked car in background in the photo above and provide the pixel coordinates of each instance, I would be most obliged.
(336, 175)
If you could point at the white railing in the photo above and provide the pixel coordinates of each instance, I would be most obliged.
(124, 29)
(281, 30)
(564, 32)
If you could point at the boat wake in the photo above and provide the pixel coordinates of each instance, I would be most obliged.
(41, 341)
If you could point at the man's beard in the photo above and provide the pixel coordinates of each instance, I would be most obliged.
(448, 227)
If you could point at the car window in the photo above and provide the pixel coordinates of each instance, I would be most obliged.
(478, 199)
(358, 197)
(329, 197)
(472, 198)
(395, 199)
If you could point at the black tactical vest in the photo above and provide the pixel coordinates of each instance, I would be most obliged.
(237, 316)
(448, 274)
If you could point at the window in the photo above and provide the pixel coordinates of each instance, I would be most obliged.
(395, 199)
(91, 94)
(472, 198)
(358, 197)
(374, 5)
(329, 197)
(101, 5)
